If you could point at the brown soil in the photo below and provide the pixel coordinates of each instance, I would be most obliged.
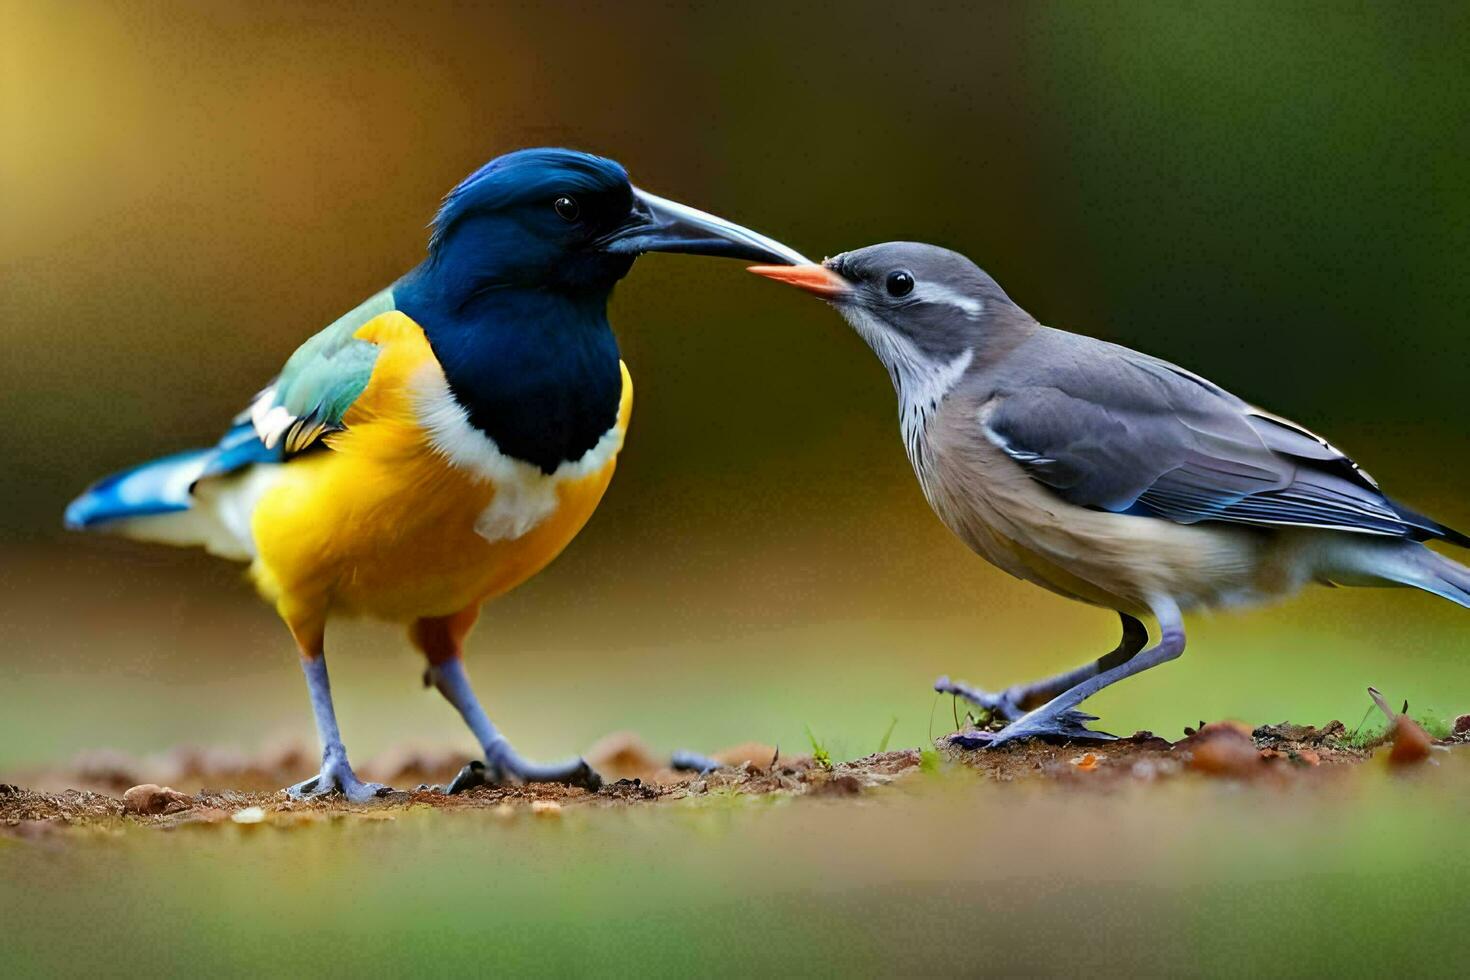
(120, 791)
(1227, 749)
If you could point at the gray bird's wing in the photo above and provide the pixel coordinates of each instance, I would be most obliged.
(1111, 429)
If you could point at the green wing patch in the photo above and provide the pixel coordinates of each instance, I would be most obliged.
(319, 382)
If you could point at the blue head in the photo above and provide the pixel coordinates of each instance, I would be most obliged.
(571, 221)
(527, 218)
(513, 295)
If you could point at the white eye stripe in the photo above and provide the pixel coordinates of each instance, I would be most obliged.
(940, 294)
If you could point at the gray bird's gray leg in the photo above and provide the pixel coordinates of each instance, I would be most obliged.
(1015, 701)
(336, 773)
(686, 761)
(502, 763)
(1059, 717)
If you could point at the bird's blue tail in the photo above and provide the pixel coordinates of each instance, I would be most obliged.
(204, 498)
(158, 487)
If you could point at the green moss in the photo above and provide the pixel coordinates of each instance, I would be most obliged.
(1366, 736)
(820, 755)
(1436, 724)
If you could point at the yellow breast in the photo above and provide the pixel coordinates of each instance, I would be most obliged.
(399, 522)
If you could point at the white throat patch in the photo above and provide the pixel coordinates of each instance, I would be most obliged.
(524, 495)
(920, 381)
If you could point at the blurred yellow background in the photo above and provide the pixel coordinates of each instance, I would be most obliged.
(187, 191)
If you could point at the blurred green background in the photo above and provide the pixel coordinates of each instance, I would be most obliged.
(1272, 194)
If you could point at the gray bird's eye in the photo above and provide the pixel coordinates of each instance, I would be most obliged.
(567, 208)
(900, 283)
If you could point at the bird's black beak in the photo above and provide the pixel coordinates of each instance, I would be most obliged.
(657, 224)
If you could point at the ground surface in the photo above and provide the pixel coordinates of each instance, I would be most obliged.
(1285, 851)
(193, 786)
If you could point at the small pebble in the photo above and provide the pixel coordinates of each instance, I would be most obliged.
(1224, 749)
(546, 808)
(152, 799)
(251, 814)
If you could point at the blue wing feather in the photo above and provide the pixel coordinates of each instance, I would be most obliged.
(316, 387)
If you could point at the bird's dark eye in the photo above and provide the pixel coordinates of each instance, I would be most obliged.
(900, 283)
(567, 208)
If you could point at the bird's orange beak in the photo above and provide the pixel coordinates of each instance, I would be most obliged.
(813, 278)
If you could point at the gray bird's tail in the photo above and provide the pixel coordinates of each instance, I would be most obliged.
(1359, 560)
(1442, 576)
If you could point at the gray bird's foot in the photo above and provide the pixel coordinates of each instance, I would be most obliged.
(1066, 726)
(503, 766)
(686, 761)
(337, 776)
(1003, 705)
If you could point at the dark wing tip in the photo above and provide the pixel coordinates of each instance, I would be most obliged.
(1423, 528)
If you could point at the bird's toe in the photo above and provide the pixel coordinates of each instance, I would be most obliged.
(471, 775)
(585, 776)
(1000, 704)
(1065, 726)
(310, 789)
(504, 766)
(338, 778)
(367, 792)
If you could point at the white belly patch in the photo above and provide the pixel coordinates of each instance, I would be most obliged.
(524, 495)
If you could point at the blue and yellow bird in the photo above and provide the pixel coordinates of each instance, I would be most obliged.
(441, 443)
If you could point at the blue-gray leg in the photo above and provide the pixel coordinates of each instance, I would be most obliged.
(1015, 701)
(687, 761)
(502, 764)
(336, 774)
(1059, 717)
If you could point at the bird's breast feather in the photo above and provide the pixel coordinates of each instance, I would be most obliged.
(525, 494)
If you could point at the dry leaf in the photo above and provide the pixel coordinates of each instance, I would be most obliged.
(1411, 743)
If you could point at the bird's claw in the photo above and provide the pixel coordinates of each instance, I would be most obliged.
(337, 776)
(1002, 705)
(473, 774)
(504, 769)
(1066, 726)
(686, 761)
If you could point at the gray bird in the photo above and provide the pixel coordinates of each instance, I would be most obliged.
(1106, 475)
